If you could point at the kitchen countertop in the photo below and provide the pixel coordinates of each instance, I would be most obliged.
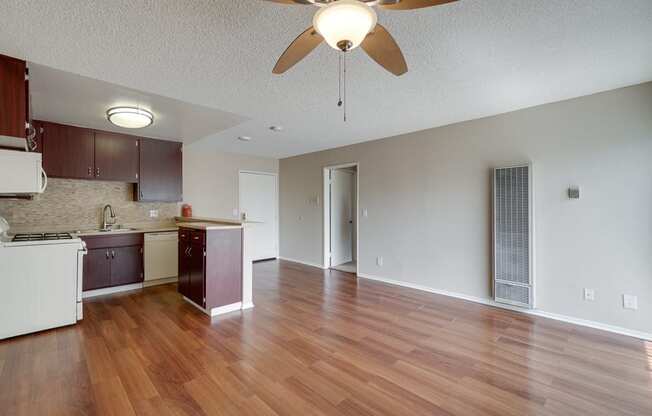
(134, 230)
(207, 226)
(186, 220)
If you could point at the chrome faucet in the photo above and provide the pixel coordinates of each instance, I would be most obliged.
(107, 224)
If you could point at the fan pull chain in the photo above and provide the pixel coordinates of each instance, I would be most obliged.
(344, 77)
(341, 81)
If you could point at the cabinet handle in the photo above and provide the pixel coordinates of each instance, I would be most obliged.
(90, 171)
(112, 254)
(107, 254)
(97, 171)
(189, 251)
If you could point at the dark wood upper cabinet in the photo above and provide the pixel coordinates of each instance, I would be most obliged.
(13, 97)
(68, 152)
(155, 166)
(116, 157)
(160, 171)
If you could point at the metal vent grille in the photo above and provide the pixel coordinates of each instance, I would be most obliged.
(512, 221)
(512, 293)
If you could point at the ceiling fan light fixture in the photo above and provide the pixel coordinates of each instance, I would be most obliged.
(344, 24)
(130, 117)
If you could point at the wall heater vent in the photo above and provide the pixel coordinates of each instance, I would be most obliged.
(513, 233)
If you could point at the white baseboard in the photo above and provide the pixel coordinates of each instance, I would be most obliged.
(164, 281)
(221, 310)
(537, 312)
(226, 309)
(319, 266)
(110, 290)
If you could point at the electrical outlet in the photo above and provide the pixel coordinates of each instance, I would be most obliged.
(379, 261)
(153, 213)
(630, 302)
(589, 295)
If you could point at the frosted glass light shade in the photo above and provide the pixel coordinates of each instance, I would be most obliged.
(345, 20)
(130, 117)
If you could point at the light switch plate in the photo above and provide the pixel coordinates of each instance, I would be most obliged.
(630, 302)
(589, 294)
(235, 213)
(379, 261)
(365, 213)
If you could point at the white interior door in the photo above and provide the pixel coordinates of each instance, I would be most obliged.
(342, 191)
(258, 195)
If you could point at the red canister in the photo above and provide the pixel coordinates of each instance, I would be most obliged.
(186, 210)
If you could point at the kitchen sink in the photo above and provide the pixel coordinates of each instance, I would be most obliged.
(116, 229)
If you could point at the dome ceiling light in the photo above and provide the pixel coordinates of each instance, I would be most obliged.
(130, 117)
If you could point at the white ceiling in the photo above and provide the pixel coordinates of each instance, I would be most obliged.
(467, 60)
(72, 99)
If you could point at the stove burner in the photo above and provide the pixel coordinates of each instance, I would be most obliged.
(41, 236)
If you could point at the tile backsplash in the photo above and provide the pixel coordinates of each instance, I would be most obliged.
(69, 204)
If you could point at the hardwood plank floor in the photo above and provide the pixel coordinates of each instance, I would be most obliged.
(321, 343)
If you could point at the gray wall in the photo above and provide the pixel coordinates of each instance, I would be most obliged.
(428, 195)
(210, 179)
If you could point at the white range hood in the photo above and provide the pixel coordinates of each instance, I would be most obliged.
(21, 173)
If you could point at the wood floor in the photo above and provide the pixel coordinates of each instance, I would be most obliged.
(321, 342)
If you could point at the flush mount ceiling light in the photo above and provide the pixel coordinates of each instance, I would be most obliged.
(130, 117)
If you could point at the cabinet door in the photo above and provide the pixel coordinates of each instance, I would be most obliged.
(197, 274)
(160, 171)
(96, 269)
(116, 157)
(184, 269)
(13, 99)
(126, 265)
(67, 151)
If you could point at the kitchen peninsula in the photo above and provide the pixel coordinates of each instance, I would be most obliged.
(215, 267)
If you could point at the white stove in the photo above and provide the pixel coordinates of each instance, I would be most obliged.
(41, 276)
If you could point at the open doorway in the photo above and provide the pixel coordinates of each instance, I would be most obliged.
(341, 217)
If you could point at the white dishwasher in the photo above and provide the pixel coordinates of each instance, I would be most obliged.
(161, 255)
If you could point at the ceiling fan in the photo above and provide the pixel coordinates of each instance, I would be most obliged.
(347, 24)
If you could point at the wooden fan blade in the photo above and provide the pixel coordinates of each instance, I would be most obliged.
(382, 48)
(291, 1)
(414, 4)
(298, 49)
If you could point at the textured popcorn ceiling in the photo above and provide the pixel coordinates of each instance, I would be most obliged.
(467, 60)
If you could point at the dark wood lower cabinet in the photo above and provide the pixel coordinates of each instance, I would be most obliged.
(126, 265)
(184, 269)
(191, 270)
(113, 261)
(97, 272)
(197, 273)
(210, 266)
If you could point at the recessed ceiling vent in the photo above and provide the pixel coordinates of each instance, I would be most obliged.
(513, 233)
